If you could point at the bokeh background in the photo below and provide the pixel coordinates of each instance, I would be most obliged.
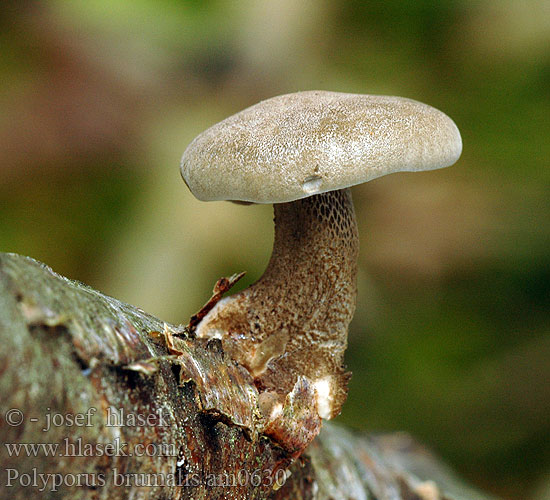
(451, 338)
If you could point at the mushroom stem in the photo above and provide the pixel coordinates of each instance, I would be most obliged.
(294, 320)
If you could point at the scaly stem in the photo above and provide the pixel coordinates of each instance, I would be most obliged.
(294, 320)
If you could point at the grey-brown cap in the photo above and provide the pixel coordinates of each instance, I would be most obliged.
(295, 145)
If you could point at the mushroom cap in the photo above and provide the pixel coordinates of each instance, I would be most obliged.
(296, 145)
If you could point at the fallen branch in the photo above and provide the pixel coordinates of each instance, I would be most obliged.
(101, 400)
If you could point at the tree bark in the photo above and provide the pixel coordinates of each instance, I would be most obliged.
(114, 403)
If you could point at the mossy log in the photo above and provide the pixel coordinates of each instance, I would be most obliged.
(111, 402)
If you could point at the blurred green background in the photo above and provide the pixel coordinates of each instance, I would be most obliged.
(451, 338)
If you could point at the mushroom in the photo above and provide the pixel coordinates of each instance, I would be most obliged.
(302, 152)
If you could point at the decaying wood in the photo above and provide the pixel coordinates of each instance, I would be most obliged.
(134, 408)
